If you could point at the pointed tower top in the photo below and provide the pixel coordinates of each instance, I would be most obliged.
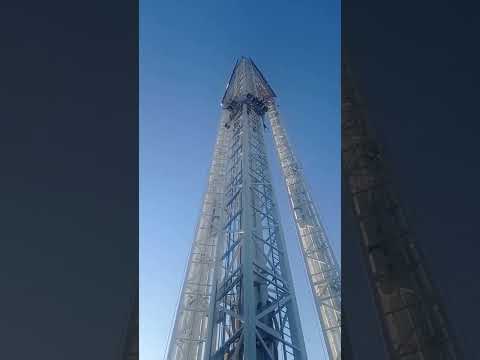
(247, 82)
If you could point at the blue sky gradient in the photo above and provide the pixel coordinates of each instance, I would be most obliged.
(187, 53)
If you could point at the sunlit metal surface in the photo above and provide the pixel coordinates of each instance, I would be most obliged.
(322, 268)
(238, 300)
(255, 314)
(189, 334)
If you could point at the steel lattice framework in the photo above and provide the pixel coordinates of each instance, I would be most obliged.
(413, 321)
(238, 300)
(322, 268)
(190, 330)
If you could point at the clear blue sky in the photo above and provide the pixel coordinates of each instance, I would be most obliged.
(187, 52)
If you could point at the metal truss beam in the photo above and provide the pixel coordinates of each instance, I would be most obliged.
(254, 315)
(189, 334)
(321, 266)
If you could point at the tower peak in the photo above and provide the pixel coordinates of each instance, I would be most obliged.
(247, 82)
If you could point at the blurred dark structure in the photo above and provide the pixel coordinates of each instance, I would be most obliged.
(131, 339)
(410, 314)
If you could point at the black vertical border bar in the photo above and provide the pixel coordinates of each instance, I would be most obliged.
(68, 179)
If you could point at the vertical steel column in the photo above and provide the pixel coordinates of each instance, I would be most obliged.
(225, 330)
(247, 257)
(322, 269)
(255, 314)
(190, 329)
(413, 321)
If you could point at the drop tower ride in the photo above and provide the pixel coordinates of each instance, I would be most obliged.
(238, 300)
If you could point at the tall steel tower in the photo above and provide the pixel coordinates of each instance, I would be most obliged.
(238, 299)
(413, 321)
